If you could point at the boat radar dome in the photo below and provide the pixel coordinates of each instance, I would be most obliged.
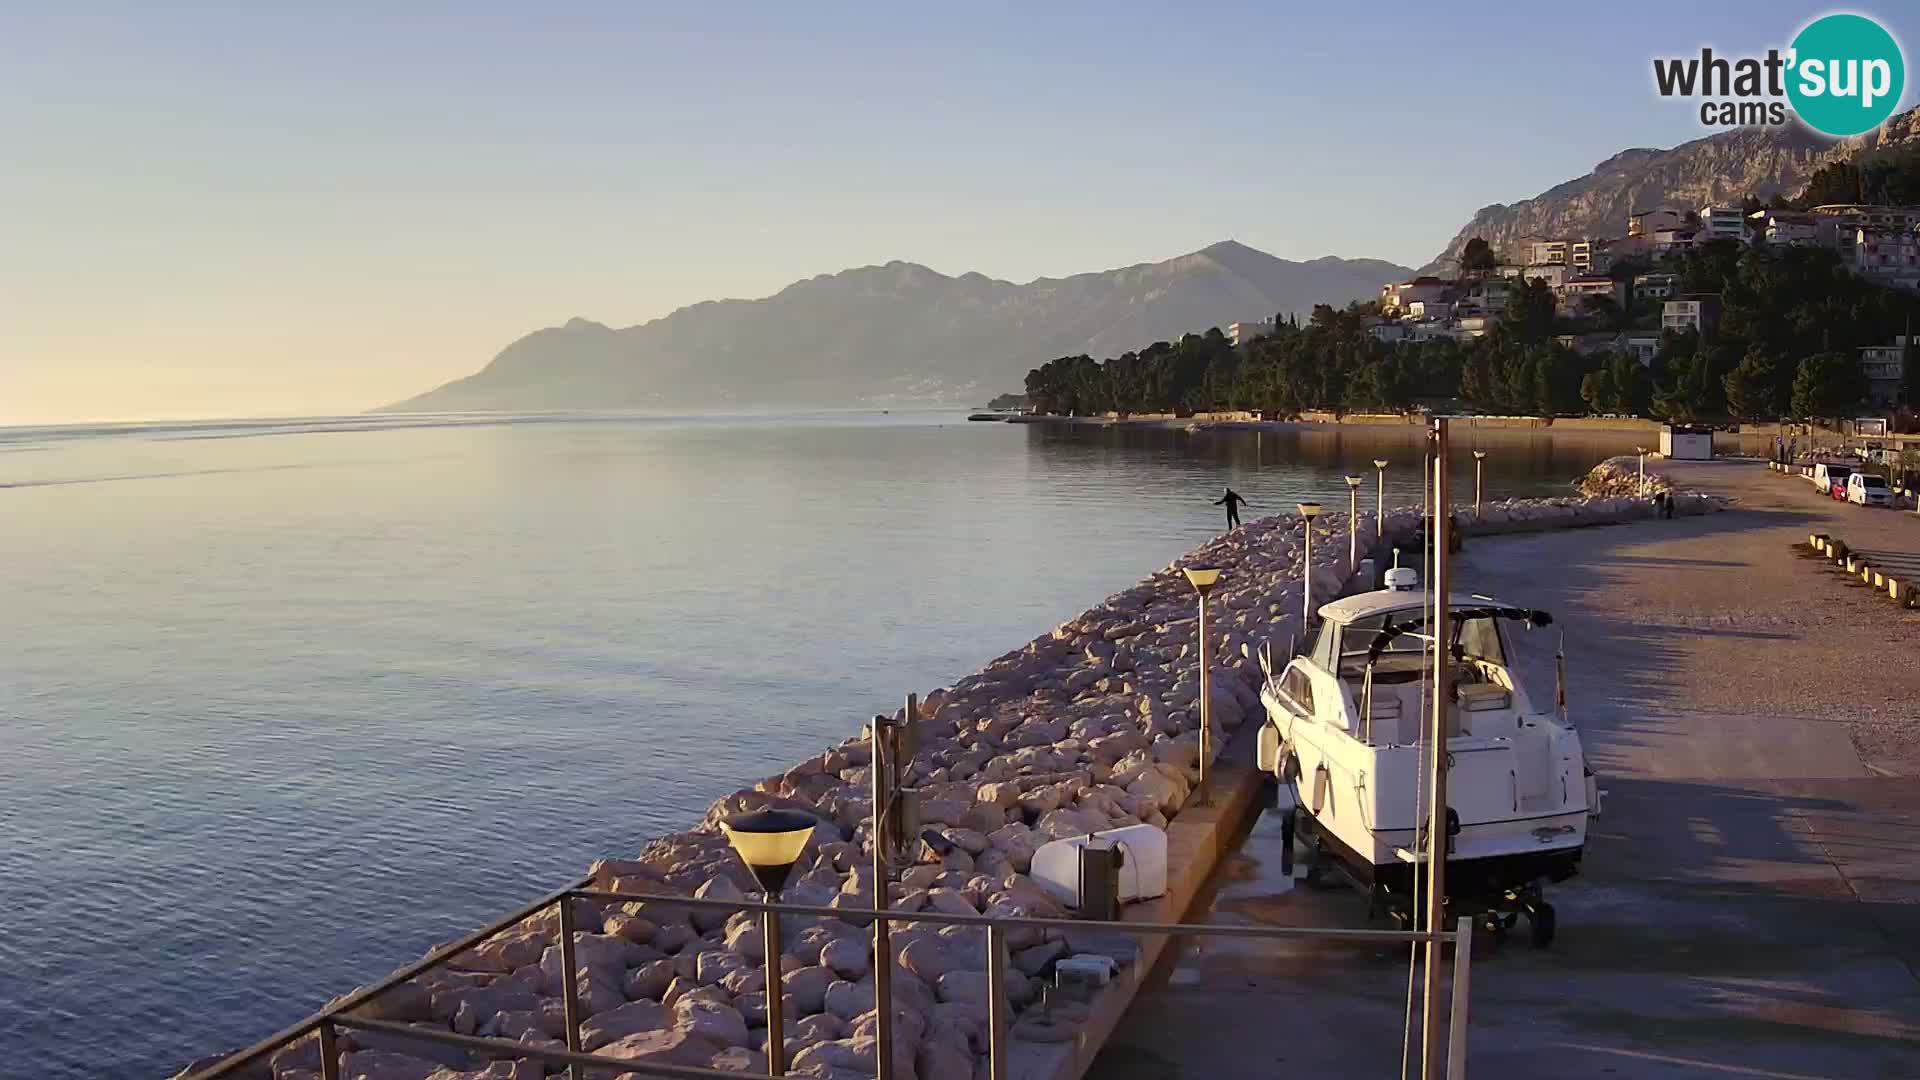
(1403, 579)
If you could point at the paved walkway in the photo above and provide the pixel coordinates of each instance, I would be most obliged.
(1750, 903)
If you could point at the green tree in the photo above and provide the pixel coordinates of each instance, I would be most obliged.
(1528, 318)
(1753, 387)
(1478, 257)
(1598, 391)
(1828, 385)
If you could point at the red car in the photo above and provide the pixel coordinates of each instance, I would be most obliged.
(1839, 489)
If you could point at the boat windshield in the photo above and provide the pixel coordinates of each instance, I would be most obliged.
(1361, 633)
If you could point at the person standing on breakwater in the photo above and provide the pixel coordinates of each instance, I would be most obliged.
(1232, 501)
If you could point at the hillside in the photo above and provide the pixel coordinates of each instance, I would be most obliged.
(1721, 168)
(898, 332)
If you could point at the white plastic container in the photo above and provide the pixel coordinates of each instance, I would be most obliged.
(1084, 969)
(1143, 866)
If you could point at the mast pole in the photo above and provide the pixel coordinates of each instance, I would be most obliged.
(1433, 1060)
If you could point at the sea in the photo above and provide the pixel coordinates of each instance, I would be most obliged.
(285, 702)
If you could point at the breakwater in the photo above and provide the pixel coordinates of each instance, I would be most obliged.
(1090, 726)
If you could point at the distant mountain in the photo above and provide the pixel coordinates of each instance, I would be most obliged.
(1723, 168)
(898, 332)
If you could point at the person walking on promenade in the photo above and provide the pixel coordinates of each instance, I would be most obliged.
(1232, 501)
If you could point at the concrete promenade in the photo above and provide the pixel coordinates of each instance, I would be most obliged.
(1750, 902)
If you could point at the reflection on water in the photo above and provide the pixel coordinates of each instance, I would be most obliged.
(283, 707)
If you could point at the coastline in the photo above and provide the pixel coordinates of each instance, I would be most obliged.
(1093, 725)
(1527, 425)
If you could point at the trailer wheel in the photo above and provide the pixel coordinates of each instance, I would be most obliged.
(1286, 844)
(1540, 924)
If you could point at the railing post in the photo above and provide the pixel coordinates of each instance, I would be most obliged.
(776, 1008)
(329, 1053)
(570, 985)
(1462, 990)
(997, 1034)
(879, 766)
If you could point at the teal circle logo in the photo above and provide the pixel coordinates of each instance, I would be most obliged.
(1846, 74)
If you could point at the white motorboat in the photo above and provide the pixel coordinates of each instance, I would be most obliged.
(1345, 735)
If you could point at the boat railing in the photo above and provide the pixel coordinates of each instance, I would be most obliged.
(347, 1013)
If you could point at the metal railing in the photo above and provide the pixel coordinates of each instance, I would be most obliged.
(328, 1022)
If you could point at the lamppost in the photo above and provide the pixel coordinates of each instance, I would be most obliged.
(1203, 579)
(769, 842)
(1353, 522)
(1478, 457)
(1642, 488)
(1380, 501)
(1308, 511)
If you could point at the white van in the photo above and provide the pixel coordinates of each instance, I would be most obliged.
(1865, 490)
(1826, 475)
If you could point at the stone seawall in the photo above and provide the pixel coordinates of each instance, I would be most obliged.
(1093, 725)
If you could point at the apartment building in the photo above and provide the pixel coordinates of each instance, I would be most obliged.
(1699, 312)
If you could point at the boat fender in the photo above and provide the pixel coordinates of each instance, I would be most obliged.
(1321, 780)
(1269, 749)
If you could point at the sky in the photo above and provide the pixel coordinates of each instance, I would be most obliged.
(247, 209)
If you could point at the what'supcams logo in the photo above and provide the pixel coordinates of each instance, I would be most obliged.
(1842, 75)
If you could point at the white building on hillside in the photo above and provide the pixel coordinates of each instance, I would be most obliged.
(1722, 223)
(1885, 368)
(1888, 254)
(1242, 332)
(1648, 222)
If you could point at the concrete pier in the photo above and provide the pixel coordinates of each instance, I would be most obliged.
(1750, 901)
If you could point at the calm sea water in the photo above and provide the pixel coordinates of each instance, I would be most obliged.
(283, 703)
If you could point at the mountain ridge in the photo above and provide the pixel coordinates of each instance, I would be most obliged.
(895, 331)
(1720, 168)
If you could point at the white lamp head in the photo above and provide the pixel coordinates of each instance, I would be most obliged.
(1309, 510)
(1479, 454)
(1353, 481)
(1379, 463)
(769, 842)
(1202, 578)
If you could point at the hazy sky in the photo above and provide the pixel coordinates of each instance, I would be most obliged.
(241, 209)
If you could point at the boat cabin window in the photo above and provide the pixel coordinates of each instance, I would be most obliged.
(1297, 690)
(1325, 644)
(1480, 640)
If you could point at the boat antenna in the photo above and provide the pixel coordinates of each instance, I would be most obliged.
(1431, 1060)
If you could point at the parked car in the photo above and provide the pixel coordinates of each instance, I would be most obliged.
(1866, 490)
(1827, 477)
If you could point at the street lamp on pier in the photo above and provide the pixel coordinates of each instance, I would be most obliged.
(769, 842)
(1380, 498)
(1203, 579)
(1478, 457)
(1308, 511)
(1353, 522)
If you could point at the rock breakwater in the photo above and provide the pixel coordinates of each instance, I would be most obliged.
(1090, 726)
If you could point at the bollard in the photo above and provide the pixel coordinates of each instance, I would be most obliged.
(1893, 590)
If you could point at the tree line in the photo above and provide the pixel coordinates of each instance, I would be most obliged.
(1790, 325)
